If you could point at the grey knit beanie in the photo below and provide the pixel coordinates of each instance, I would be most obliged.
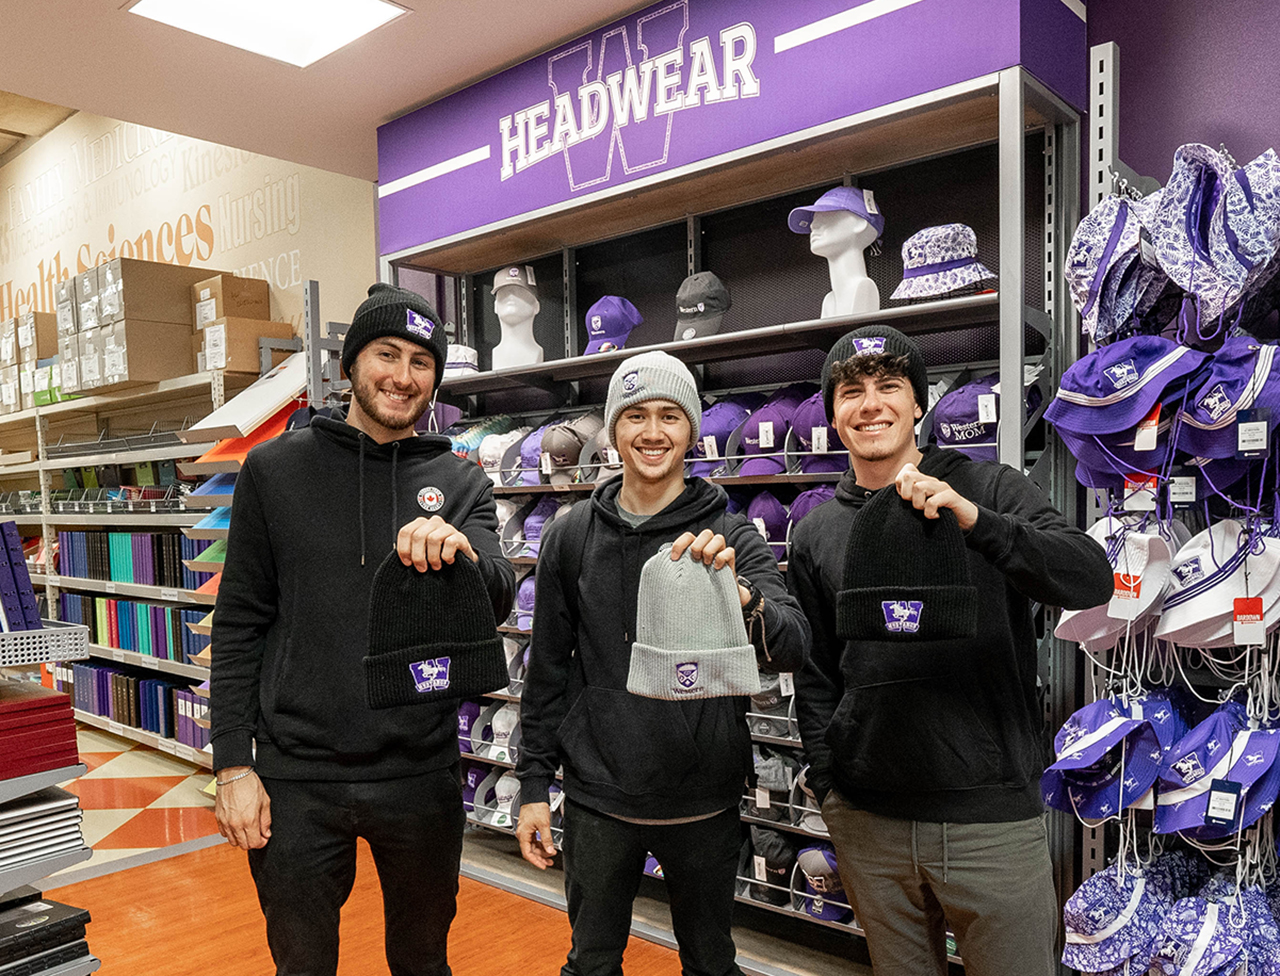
(690, 641)
(652, 376)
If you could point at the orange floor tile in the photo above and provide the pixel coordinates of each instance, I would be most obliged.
(115, 794)
(161, 827)
(95, 759)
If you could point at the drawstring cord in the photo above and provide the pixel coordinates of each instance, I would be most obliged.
(395, 514)
(361, 437)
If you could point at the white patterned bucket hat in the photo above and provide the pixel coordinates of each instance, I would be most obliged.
(940, 260)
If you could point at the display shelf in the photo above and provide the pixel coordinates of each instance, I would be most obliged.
(522, 560)
(952, 313)
(165, 594)
(26, 873)
(784, 825)
(55, 641)
(500, 490)
(503, 696)
(11, 789)
(504, 629)
(169, 452)
(126, 519)
(23, 470)
(147, 661)
(213, 534)
(729, 481)
(487, 760)
(172, 746)
(77, 967)
(776, 740)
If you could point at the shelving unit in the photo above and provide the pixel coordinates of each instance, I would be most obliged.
(172, 746)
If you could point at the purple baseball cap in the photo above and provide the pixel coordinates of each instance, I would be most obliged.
(1197, 940)
(719, 421)
(652, 868)
(1240, 377)
(810, 415)
(609, 323)
(473, 775)
(770, 519)
(766, 454)
(531, 456)
(850, 198)
(542, 513)
(1211, 751)
(957, 422)
(468, 712)
(1114, 387)
(1106, 760)
(1112, 918)
(524, 603)
(823, 895)
(807, 501)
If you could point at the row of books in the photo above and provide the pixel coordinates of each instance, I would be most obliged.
(148, 558)
(168, 709)
(148, 628)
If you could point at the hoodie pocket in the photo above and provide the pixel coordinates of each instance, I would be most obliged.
(911, 737)
(635, 744)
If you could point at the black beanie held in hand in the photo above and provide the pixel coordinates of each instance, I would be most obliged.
(876, 340)
(906, 577)
(401, 314)
(432, 636)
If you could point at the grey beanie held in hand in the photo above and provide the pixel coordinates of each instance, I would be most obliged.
(432, 636)
(652, 376)
(691, 641)
(876, 340)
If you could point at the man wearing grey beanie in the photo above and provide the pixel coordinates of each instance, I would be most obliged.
(643, 774)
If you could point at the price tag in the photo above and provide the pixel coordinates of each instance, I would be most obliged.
(109, 586)
(762, 798)
(611, 457)
(1148, 429)
(170, 595)
(168, 745)
(818, 439)
(710, 448)
(1224, 800)
(215, 347)
(115, 727)
(786, 684)
(987, 408)
(761, 528)
(546, 462)
(53, 580)
(528, 273)
(117, 654)
(1247, 624)
(760, 871)
(1182, 490)
(1253, 429)
(1124, 599)
(1140, 492)
(766, 434)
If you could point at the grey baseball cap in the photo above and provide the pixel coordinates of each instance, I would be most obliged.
(517, 274)
(701, 303)
(564, 443)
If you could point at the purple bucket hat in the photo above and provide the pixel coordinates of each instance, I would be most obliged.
(861, 202)
(1104, 243)
(1256, 800)
(1114, 387)
(1197, 940)
(939, 260)
(1106, 761)
(1241, 375)
(810, 415)
(1111, 920)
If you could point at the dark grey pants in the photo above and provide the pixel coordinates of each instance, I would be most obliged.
(305, 873)
(906, 879)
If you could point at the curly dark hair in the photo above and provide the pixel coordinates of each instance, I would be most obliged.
(869, 367)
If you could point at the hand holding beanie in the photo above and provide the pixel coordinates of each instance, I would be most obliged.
(906, 577)
(432, 636)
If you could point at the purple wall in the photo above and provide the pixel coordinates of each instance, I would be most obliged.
(1192, 71)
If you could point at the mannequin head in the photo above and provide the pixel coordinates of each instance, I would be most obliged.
(835, 232)
(515, 304)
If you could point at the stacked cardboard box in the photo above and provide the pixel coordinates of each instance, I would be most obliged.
(230, 315)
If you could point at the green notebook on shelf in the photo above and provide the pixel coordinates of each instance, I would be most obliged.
(214, 556)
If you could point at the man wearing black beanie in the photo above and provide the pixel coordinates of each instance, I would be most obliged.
(308, 754)
(918, 706)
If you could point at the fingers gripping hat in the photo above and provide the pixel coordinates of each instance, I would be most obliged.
(876, 340)
(906, 578)
(400, 314)
(432, 636)
(691, 641)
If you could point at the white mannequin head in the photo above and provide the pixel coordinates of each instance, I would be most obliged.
(515, 304)
(835, 232)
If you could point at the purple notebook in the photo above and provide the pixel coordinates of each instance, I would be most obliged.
(21, 578)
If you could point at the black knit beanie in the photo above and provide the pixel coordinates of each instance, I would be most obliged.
(432, 635)
(874, 340)
(397, 312)
(906, 577)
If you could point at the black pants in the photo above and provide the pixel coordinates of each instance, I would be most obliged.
(305, 872)
(603, 864)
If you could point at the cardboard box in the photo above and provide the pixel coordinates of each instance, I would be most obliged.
(226, 296)
(9, 342)
(27, 386)
(37, 336)
(90, 360)
(86, 291)
(69, 364)
(232, 344)
(65, 304)
(44, 384)
(9, 399)
(135, 291)
(144, 352)
(64, 291)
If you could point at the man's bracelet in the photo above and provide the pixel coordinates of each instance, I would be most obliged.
(224, 782)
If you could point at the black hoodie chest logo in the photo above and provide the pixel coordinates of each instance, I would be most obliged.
(431, 499)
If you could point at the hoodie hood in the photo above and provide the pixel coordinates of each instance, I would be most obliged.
(934, 462)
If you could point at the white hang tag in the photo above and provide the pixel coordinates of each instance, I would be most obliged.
(818, 439)
(546, 463)
(528, 274)
(766, 434)
(1182, 490)
(1140, 493)
(1124, 599)
(1148, 430)
(761, 875)
(760, 527)
(611, 457)
(869, 199)
(1252, 432)
(762, 798)
(786, 684)
(987, 408)
(1248, 626)
(710, 448)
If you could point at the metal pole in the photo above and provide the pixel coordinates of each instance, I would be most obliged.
(1012, 263)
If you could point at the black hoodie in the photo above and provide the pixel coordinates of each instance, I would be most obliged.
(624, 754)
(949, 733)
(315, 511)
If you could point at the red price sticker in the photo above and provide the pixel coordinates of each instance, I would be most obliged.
(1124, 599)
(1140, 492)
(1248, 625)
(1148, 429)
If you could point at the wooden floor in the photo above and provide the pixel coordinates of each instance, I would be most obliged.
(198, 914)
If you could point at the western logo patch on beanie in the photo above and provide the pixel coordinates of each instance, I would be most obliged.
(873, 346)
(431, 674)
(631, 382)
(687, 674)
(419, 324)
(902, 616)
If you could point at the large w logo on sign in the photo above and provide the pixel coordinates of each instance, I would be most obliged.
(620, 83)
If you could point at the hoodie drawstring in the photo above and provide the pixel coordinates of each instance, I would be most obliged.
(362, 498)
(395, 513)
